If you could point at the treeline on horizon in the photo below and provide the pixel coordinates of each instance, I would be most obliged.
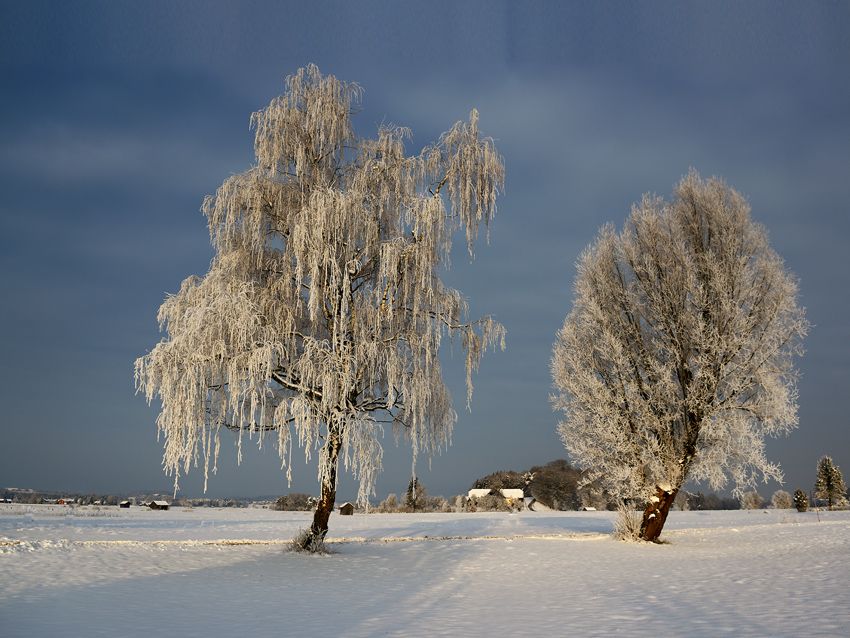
(47, 497)
(556, 485)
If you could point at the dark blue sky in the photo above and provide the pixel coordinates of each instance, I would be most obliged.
(117, 119)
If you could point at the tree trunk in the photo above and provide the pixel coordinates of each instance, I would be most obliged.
(656, 512)
(314, 540)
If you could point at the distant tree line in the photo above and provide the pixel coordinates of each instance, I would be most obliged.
(40, 497)
(211, 502)
(294, 502)
(415, 499)
(700, 501)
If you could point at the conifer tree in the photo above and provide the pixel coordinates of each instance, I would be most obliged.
(801, 501)
(416, 496)
(829, 485)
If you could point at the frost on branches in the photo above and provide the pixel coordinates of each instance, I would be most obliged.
(320, 319)
(677, 358)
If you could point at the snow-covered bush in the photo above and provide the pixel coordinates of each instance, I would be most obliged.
(294, 502)
(751, 501)
(438, 504)
(627, 523)
(493, 502)
(801, 501)
(305, 542)
(781, 500)
(389, 505)
(459, 503)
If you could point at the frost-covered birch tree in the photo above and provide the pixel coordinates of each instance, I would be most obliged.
(677, 359)
(320, 319)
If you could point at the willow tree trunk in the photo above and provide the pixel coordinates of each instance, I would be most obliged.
(656, 512)
(315, 538)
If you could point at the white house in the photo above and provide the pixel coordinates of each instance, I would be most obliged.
(514, 496)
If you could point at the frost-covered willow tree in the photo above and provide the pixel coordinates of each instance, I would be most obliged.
(321, 316)
(677, 358)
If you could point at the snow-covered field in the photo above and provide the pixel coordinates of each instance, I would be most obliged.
(208, 572)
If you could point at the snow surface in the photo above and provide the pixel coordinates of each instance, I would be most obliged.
(210, 572)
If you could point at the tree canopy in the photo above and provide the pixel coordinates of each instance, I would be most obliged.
(677, 358)
(322, 313)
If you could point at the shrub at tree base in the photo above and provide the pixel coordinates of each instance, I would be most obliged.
(781, 500)
(627, 524)
(306, 542)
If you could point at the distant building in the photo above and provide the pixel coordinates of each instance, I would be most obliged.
(509, 494)
(346, 509)
(516, 495)
(158, 505)
(124, 504)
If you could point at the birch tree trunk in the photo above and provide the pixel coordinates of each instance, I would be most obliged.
(315, 538)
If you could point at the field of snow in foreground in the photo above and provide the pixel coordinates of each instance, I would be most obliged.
(210, 573)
